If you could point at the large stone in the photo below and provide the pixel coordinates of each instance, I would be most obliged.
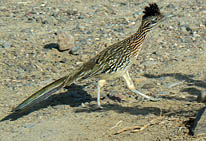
(199, 126)
(65, 41)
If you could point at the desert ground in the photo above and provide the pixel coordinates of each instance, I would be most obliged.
(171, 66)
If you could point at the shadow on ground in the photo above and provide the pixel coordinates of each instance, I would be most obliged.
(74, 96)
(139, 110)
(181, 77)
(192, 83)
(54, 46)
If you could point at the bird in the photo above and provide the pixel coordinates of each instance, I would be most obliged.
(112, 62)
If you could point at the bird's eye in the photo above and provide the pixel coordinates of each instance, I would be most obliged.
(153, 22)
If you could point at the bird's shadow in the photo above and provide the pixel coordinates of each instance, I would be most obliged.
(193, 89)
(181, 77)
(74, 96)
(138, 110)
(188, 79)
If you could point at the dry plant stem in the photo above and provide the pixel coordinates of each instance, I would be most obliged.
(139, 128)
(116, 125)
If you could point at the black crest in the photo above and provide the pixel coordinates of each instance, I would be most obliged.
(151, 10)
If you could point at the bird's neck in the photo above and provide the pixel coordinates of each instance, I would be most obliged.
(138, 39)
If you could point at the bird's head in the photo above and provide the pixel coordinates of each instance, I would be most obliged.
(152, 16)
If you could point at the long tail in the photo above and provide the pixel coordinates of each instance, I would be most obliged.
(45, 92)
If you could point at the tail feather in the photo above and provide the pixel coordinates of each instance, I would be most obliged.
(48, 90)
(41, 95)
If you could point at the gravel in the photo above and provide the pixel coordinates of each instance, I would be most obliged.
(41, 41)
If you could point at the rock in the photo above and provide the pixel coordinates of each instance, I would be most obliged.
(174, 84)
(203, 10)
(75, 50)
(121, 21)
(118, 97)
(123, 3)
(140, 80)
(4, 44)
(64, 60)
(199, 126)
(163, 93)
(65, 41)
(172, 6)
(137, 14)
(71, 12)
(148, 86)
(50, 20)
(202, 97)
(109, 10)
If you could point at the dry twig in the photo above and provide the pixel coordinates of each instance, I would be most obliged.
(135, 129)
(115, 125)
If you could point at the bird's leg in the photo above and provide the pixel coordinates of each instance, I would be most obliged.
(131, 86)
(100, 84)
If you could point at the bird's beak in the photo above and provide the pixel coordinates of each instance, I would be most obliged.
(165, 17)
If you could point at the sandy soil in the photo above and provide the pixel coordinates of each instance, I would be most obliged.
(170, 66)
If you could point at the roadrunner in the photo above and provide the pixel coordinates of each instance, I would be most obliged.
(112, 62)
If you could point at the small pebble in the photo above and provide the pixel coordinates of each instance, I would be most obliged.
(148, 86)
(171, 85)
(203, 10)
(75, 50)
(4, 44)
(164, 93)
(63, 60)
